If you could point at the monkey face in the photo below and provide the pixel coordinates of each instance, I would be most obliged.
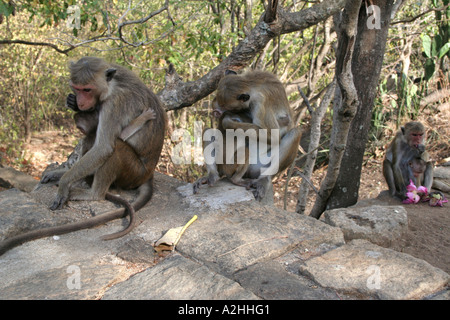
(87, 96)
(416, 139)
(90, 79)
(232, 94)
(86, 122)
(414, 133)
(418, 166)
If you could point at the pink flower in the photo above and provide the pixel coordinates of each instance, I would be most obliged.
(414, 194)
(437, 199)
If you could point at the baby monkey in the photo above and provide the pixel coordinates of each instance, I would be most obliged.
(405, 157)
(115, 98)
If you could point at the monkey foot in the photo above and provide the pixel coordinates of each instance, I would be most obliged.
(58, 203)
(52, 176)
(210, 180)
(258, 189)
(196, 185)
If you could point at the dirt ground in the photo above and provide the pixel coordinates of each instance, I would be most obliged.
(428, 236)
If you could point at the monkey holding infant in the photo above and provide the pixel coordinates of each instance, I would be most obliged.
(124, 126)
(253, 100)
(407, 160)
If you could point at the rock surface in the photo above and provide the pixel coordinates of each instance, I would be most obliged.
(238, 250)
(381, 225)
(11, 178)
(374, 271)
(178, 278)
(441, 178)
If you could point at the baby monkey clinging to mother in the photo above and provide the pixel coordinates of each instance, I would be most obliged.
(261, 100)
(406, 159)
(119, 97)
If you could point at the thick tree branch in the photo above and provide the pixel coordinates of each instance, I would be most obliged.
(185, 94)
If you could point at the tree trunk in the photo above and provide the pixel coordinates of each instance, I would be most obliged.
(367, 62)
(346, 100)
(316, 120)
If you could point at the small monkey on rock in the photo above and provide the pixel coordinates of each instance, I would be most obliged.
(118, 97)
(262, 98)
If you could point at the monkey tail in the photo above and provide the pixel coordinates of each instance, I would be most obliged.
(57, 230)
(145, 194)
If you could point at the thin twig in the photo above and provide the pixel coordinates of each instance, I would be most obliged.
(32, 43)
(420, 15)
(250, 243)
(310, 109)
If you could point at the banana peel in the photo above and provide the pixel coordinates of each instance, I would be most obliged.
(171, 238)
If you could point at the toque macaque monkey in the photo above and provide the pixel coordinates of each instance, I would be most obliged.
(262, 96)
(233, 171)
(87, 123)
(414, 166)
(119, 97)
(406, 158)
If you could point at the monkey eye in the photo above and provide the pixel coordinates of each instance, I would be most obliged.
(87, 90)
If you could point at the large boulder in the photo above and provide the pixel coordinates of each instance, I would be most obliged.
(381, 225)
(364, 268)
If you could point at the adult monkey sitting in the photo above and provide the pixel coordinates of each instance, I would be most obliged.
(120, 97)
(408, 143)
(262, 97)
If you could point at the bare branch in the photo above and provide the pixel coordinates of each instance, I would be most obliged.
(412, 19)
(139, 21)
(305, 99)
(271, 11)
(316, 120)
(32, 43)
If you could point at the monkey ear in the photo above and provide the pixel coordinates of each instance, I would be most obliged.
(110, 74)
(243, 97)
(227, 72)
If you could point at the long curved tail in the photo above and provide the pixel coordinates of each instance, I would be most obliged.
(145, 194)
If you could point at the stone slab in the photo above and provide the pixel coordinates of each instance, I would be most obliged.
(178, 278)
(365, 268)
(270, 281)
(246, 234)
(381, 225)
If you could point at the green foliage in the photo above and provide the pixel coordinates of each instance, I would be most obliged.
(195, 36)
(437, 46)
(31, 94)
(6, 8)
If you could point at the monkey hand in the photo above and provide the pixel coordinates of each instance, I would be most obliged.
(259, 190)
(259, 187)
(52, 176)
(71, 102)
(148, 114)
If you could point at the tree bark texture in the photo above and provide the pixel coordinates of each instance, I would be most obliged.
(308, 168)
(345, 108)
(366, 67)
